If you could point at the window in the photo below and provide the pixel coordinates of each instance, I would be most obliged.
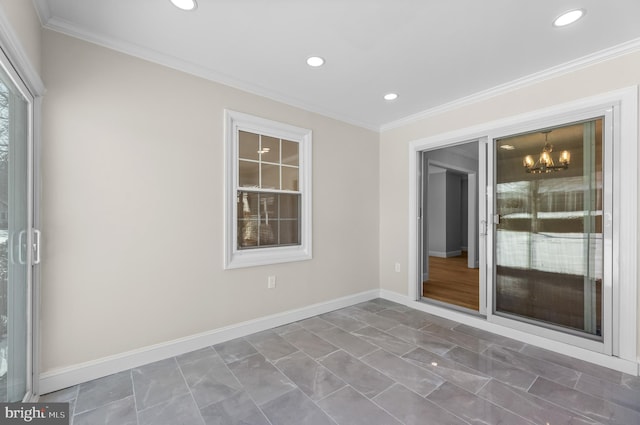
(268, 192)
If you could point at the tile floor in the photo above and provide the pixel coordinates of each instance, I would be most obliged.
(373, 363)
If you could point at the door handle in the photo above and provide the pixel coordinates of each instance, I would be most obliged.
(10, 248)
(20, 243)
(36, 246)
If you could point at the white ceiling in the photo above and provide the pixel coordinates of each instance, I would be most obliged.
(431, 52)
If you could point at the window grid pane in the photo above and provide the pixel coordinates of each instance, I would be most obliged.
(249, 145)
(267, 162)
(290, 153)
(248, 173)
(267, 219)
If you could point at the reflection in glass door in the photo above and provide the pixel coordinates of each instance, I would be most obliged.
(549, 228)
(15, 237)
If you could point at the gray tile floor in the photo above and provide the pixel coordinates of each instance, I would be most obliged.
(373, 363)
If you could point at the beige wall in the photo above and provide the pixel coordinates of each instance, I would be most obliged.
(132, 168)
(24, 20)
(394, 146)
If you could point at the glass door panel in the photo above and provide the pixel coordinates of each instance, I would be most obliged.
(14, 240)
(449, 235)
(549, 232)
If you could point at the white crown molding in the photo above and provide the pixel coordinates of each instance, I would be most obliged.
(43, 11)
(84, 372)
(619, 50)
(56, 24)
(15, 52)
(150, 55)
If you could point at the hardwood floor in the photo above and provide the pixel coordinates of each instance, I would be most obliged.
(451, 281)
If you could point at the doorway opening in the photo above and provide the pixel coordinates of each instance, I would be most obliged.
(449, 205)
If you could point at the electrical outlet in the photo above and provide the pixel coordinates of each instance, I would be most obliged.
(397, 267)
(271, 282)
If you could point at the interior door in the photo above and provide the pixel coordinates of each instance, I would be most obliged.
(16, 238)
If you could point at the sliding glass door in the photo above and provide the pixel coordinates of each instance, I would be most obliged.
(556, 226)
(15, 240)
(549, 234)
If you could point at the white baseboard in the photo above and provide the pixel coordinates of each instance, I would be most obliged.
(72, 375)
(616, 363)
(447, 254)
(395, 297)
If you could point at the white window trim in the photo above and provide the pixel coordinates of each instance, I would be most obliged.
(233, 257)
(624, 105)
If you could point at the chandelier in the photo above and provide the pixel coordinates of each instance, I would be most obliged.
(545, 163)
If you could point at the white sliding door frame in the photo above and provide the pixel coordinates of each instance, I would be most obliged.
(622, 105)
(609, 144)
(16, 63)
(484, 195)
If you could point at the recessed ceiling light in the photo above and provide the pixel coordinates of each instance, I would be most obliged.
(507, 147)
(568, 17)
(390, 96)
(315, 61)
(185, 4)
